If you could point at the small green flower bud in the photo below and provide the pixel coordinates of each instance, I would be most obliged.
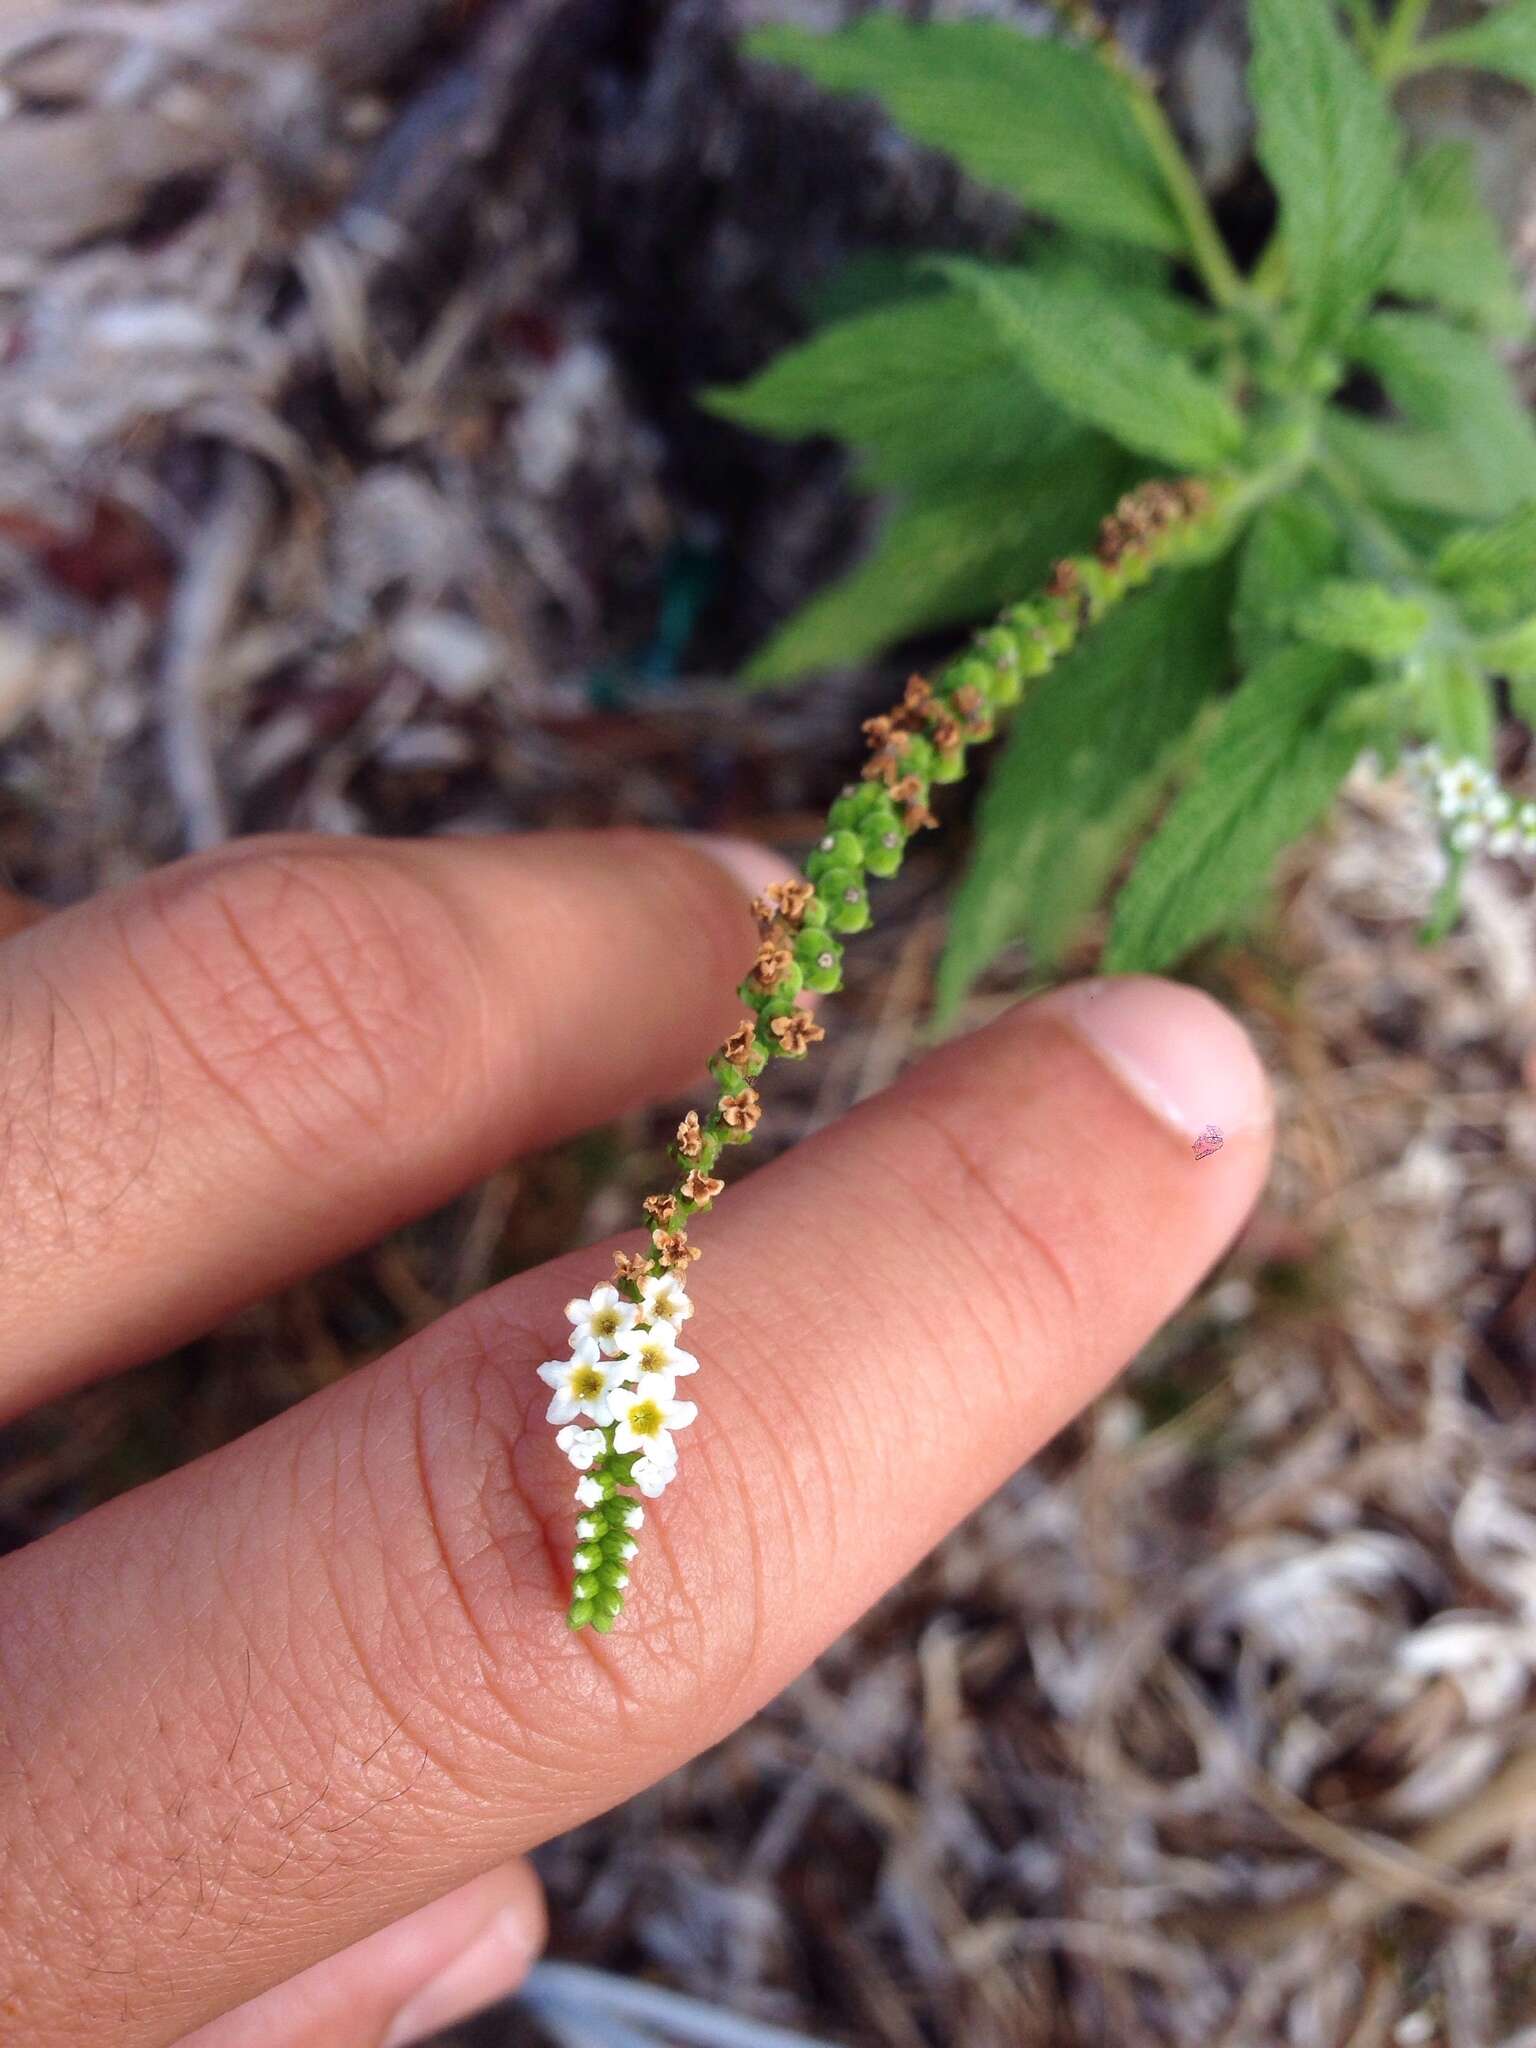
(820, 958)
(950, 765)
(588, 1586)
(1100, 585)
(850, 809)
(603, 1622)
(847, 899)
(919, 757)
(834, 850)
(732, 1080)
(884, 844)
(1035, 656)
(969, 674)
(580, 1614)
(608, 1601)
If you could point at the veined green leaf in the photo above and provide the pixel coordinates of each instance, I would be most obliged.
(1503, 41)
(1451, 250)
(1363, 618)
(1266, 773)
(924, 388)
(1492, 569)
(1081, 346)
(951, 558)
(1043, 120)
(1332, 149)
(1083, 763)
(1458, 709)
(1468, 447)
(1292, 546)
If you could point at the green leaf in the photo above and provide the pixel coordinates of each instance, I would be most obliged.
(1085, 760)
(1291, 547)
(1452, 251)
(1266, 773)
(1046, 121)
(1329, 142)
(1458, 709)
(1492, 569)
(1444, 379)
(1363, 618)
(1504, 41)
(1078, 342)
(951, 558)
(925, 388)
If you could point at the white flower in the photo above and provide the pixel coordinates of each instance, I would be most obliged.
(588, 1492)
(588, 1528)
(1468, 833)
(653, 1478)
(582, 1446)
(664, 1299)
(655, 1350)
(601, 1319)
(1463, 788)
(647, 1417)
(633, 1516)
(1496, 807)
(582, 1384)
(1525, 825)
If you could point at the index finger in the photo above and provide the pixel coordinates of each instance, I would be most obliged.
(268, 1703)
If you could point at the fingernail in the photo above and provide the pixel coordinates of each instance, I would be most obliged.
(1175, 1048)
(494, 1963)
(746, 861)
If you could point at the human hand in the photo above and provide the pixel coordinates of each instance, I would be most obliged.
(275, 1728)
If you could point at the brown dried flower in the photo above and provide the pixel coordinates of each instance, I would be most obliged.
(701, 1187)
(674, 1250)
(741, 1112)
(791, 898)
(661, 1207)
(738, 1047)
(946, 734)
(772, 964)
(797, 1032)
(690, 1136)
(917, 699)
(630, 1265)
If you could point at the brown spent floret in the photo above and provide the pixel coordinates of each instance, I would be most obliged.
(741, 1112)
(772, 964)
(630, 1265)
(661, 1208)
(797, 1032)
(791, 898)
(690, 1136)
(701, 1187)
(674, 1250)
(738, 1047)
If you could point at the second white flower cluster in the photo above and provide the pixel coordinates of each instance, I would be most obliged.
(1473, 810)
(621, 1377)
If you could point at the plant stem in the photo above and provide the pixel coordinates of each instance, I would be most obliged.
(1394, 52)
(1362, 14)
(1386, 555)
(1218, 272)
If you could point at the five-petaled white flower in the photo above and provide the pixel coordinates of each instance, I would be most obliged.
(653, 1477)
(664, 1299)
(601, 1319)
(1463, 788)
(655, 1350)
(583, 1384)
(647, 1415)
(582, 1446)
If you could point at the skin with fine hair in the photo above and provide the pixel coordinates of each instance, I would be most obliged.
(275, 1729)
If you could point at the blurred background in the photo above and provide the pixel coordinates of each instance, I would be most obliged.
(351, 479)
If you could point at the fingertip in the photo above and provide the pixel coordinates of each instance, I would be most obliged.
(1175, 1049)
(752, 866)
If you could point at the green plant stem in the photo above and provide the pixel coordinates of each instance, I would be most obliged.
(1362, 14)
(1384, 553)
(922, 743)
(1218, 272)
(1395, 55)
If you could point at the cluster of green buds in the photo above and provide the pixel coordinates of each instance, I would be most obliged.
(615, 1396)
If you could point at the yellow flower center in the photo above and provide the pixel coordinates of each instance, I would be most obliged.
(645, 1419)
(653, 1357)
(606, 1323)
(586, 1383)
